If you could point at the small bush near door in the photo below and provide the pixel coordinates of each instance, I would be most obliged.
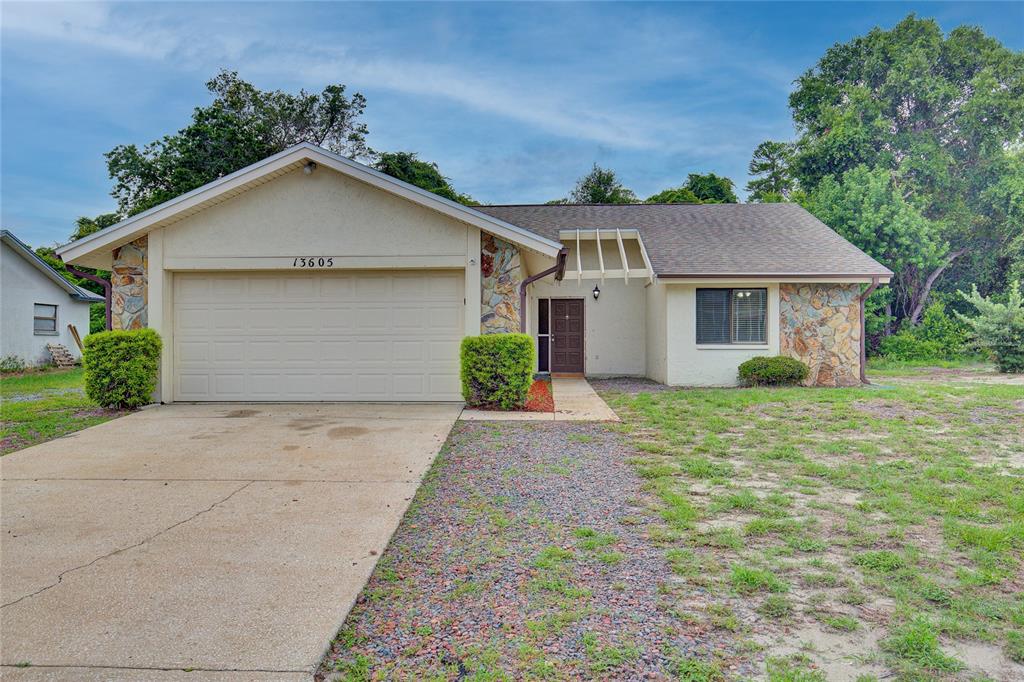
(121, 367)
(497, 370)
(774, 371)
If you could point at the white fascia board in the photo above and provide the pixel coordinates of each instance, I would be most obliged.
(136, 226)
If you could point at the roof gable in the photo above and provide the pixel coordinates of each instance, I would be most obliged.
(295, 157)
(44, 268)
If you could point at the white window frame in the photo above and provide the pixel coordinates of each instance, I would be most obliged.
(732, 342)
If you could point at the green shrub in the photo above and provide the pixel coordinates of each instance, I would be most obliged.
(121, 367)
(497, 370)
(11, 363)
(937, 337)
(906, 345)
(773, 371)
(999, 327)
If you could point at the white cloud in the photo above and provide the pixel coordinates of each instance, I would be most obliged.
(571, 98)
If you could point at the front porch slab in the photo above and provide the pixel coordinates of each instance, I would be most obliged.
(575, 400)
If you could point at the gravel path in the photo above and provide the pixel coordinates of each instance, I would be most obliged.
(524, 555)
(630, 385)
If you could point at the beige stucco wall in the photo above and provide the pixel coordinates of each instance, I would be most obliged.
(614, 337)
(693, 365)
(656, 315)
(321, 214)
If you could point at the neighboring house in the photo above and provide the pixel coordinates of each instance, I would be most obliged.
(308, 276)
(37, 305)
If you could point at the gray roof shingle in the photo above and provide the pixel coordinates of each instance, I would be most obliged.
(710, 239)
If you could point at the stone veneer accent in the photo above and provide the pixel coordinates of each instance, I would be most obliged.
(500, 276)
(819, 324)
(129, 295)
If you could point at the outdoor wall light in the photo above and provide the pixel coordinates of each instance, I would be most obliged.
(309, 168)
(596, 292)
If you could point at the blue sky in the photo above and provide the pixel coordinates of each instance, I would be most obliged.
(513, 101)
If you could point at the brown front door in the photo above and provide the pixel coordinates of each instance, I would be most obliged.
(567, 335)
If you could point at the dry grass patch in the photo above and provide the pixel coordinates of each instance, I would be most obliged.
(884, 524)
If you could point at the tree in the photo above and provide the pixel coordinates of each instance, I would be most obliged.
(867, 207)
(85, 226)
(677, 195)
(942, 115)
(407, 167)
(243, 125)
(770, 164)
(599, 186)
(711, 189)
(999, 327)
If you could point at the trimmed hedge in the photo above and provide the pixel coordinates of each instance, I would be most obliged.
(773, 371)
(497, 370)
(121, 367)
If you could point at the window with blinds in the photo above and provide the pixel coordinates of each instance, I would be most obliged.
(749, 307)
(732, 316)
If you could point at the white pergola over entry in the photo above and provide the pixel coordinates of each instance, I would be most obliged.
(606, 253)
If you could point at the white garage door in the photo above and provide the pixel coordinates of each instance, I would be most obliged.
(318, 336)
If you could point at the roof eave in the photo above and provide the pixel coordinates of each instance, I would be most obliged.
(135, 226)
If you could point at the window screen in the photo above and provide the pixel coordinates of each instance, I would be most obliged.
(731, 315)
(712, 316)
(748, 312)
(45, 320)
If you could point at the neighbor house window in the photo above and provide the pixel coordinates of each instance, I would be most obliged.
(732, 316)
(45, 319)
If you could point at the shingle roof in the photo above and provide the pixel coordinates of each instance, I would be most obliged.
(710, 239)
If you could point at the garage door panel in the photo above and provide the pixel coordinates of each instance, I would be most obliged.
(332, 335)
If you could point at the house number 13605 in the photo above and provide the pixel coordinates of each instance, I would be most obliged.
(304, 262)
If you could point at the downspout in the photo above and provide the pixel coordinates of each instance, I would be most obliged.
(558, 270)
(99, 280)
(864, 332)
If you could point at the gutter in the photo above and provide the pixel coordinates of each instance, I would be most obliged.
(99, 280)
(864, 331)
(558, 270)
(781, 276)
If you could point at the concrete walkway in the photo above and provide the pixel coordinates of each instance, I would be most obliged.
(575, 400)
(225, 540)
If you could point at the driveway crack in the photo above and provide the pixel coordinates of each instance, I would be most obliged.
(60, 577)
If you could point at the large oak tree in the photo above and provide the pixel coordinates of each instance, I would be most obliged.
(942, 117)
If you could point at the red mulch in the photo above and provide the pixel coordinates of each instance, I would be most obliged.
(539, 398)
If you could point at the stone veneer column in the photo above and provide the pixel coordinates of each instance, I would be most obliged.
(819, 324)
(129, 290)
(500, 276)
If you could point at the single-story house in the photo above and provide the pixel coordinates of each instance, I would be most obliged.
(309, 276)
(37, 305)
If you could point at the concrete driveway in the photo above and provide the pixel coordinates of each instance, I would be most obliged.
(229, 540)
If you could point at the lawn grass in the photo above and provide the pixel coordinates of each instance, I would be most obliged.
(880, 366)
(42, 405)
(894, 510)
